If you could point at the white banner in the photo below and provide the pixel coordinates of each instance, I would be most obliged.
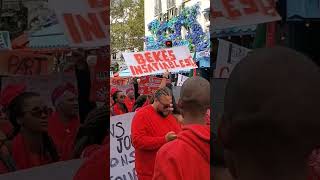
(233, 13)
(122, 155)
(229, 55)
(5, 42)
(86, 22)
(181, 79)
(158, 61)
(57, 171)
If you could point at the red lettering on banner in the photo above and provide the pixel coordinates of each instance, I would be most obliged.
(27, 65)
(216, 14)
(138, 70)
(90, 28)
(156, 56)
(230, 9)
(165, 65)
(164, 55)
(171, 55)
(144, 67)
(175, 63)
(252, 6)
(132, 70)
(155, 65)
(187, 61)
(139, 58)
(148, 57)
(72, 27)
(182, 63)
(105, 18)
(98, 3)
(161, 66)
(150, 68)
(171, 64)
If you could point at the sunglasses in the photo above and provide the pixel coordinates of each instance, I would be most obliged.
(165, 106)
(37, 112)
(122, 97)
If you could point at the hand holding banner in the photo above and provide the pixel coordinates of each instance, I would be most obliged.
(158, 61)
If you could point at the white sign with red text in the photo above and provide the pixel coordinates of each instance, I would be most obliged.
(233, 13)
(229, 55)
(158, 61)
(85, 22)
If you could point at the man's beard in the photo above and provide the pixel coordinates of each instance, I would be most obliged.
(162, 114)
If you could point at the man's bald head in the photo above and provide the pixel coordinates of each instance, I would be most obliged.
(273, 99)
(195, 95)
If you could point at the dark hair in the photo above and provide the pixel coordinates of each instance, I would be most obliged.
(93, 131)
(15, 110)
(114, 97)
(162, 92)
(139, 102)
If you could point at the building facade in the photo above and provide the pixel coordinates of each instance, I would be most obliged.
(164, 10)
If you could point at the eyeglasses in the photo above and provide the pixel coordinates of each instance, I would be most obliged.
(37, 112)
(165, 106)
(122, 97)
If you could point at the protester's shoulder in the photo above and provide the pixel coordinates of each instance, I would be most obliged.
(144, 111)
(172, 149)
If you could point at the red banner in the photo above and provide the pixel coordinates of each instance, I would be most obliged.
(149, 84)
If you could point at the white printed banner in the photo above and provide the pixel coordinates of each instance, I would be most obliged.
(122, 155)
(158, 61)
(85, 22)
(233, 13)
(181, 79)
(229, 55)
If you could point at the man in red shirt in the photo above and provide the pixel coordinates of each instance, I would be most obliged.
(63, 124)
(152, 127)
(188, 157)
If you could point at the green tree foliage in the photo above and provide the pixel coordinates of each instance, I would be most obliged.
(127, 25)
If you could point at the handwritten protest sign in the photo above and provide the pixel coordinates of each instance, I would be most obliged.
(233, 13)
(122, 155)
(181, 79)
(44, 85)
(119, 81)
(86, 22)
(25, 63)
(229, 55)
(149, 84)
(61, 170)
(155, 62)
(5, 42)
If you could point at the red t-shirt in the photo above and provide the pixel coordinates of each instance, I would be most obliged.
(148, 132)
(96, 166)
(117, 110)
(187, 158)
(24, 158)
(63, 135)
(129, 103)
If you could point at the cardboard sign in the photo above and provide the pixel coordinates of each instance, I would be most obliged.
(5, 42)
(149, 84)
(99, 83)
(229, 55)
(44, 85)
(25, 63)
(233, 13)
(61, 170)
(181, 79)
(122, 155)
(155, 62)
(86, 22)
(119, 81)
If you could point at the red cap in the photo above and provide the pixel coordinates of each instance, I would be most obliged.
(60, 90)
(10, 92)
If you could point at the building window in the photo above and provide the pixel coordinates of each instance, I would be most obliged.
(157, 7)
(171, 3)
(114, 55)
